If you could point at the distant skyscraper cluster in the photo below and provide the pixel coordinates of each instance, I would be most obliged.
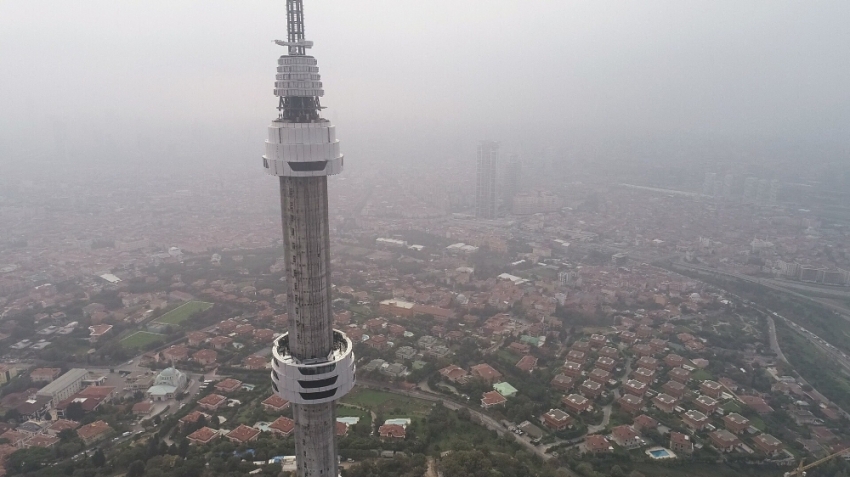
(485, 183)
(750, 190)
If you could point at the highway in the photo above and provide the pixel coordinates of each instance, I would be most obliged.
(815, 340)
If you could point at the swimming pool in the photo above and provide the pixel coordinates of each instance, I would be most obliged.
(660, 453)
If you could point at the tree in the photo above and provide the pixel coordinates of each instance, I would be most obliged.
(98, 459)
(74, 411)
(136, 469)
(12, 415)
(29, 460)
(66, 434)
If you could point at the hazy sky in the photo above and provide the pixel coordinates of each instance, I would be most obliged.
(438, 72)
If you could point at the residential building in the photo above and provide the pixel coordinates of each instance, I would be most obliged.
(695, 419)
(91, 433)
(644, 375)
(557, 420)
(576, 403)
(392, 431)
(599, 375)
(681, 375)
(44, 375)
(635, 387)
(626, 436)
(505, 389)
(205, 357)
(492, 398)
(681, 443)
(486, 373)
(711, 388)
(455, 374)
(736, 423)
(202, 436)
(706, 404)
(282, 426)
(572, 369)
(606, 363)
(275, 403)
(597, 444)
(228, 385)
(243, 434)
(630, 403)
(591, 389)
(767, 443)
(527, 363)
(212, 402)
(664, 402)
(562, 382)
(674, 388)
(724, 440)
(644, 423)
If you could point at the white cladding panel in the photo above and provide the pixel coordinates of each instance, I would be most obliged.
(289, 377)
(302, 142)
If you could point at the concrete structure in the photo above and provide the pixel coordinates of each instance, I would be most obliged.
(313, 364)
(485, 181)
(64, 386)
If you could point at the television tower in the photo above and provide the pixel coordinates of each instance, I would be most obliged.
(312, 364)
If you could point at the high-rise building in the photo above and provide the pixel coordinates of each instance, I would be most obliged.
(513, 178)
(312, 364)
(485, 184)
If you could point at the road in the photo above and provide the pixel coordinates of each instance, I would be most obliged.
(774, 342)
(774, 345)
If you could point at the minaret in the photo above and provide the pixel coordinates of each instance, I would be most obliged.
(313, 364)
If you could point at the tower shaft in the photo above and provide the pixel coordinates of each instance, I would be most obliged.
(304, 206)
(313, 364)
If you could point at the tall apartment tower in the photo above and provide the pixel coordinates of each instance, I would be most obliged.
(485, 183)
(513, 178)
(312, 364)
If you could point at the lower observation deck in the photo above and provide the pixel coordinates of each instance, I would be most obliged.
(313, 381)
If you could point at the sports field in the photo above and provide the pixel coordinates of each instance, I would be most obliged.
(140, 339)
(183, 312)
(389, 404)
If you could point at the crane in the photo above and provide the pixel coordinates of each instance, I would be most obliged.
(800, 471)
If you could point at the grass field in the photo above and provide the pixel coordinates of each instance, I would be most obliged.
(388, 404)
(140, 339)
(701, 375)
(183, 312)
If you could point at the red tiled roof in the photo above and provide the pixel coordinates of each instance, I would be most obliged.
(284, 425)
(276, 402)
(203, 435)
(243, 433)
(212, 400)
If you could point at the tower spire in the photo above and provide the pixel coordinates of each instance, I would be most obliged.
(295, 26)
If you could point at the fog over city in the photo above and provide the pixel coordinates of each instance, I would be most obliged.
(299, 238)
(421, 81)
